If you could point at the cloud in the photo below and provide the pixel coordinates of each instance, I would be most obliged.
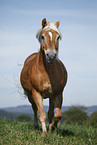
(60, 12)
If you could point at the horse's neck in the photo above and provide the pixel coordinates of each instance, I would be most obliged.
(42, 61)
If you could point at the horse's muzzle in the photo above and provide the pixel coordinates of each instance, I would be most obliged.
(51, 56)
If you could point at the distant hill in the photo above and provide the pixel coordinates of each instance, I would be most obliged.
(13, 112)
(9, 115)
(91, 109)
(28, 109)
(20, 109)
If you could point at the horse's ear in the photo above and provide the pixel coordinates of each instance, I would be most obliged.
(44, 23)
(57, 23)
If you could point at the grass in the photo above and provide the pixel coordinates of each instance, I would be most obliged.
(23, 133)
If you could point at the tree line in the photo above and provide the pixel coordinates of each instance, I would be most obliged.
(78, 114)
(74, 115)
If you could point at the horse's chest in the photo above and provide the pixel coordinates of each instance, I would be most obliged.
(47, 86)
(57, 81)
(47, 89)
(52, 85)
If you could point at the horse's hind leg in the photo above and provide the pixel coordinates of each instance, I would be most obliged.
(34, 107)
(39, 103)
(35, 115)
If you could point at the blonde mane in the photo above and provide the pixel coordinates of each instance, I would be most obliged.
(50, 25)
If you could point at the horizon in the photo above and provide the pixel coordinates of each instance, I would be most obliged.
(19, 23)
(46, 106)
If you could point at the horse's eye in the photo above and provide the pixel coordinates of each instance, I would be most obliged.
(42, 37)
(58, 38)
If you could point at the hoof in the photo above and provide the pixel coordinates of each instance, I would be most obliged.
(52, 127)
(36, 126)
(44, 134)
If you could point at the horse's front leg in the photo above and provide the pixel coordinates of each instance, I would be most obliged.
(39, 103)
(51, 110)
(57, 115)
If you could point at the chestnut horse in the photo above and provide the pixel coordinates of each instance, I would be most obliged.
(45, 76)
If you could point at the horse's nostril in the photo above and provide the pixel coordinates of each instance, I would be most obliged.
(47, 54)
(51, 56)
(55, 54)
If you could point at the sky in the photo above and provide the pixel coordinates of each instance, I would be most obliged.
(19, 23)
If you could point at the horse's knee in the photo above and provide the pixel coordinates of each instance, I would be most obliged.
(42, 116)
(57, 115)
(57, 118)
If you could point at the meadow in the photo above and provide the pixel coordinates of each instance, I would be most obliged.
(23, 133)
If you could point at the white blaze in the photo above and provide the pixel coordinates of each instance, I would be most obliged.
(50, 25)
(50, 34)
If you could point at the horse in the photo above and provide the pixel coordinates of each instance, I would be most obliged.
(45, 76)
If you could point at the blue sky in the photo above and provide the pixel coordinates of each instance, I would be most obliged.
(19, 23)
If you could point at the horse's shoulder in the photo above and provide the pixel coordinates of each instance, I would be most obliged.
(63, 71)
(61, 65)
(30, 58)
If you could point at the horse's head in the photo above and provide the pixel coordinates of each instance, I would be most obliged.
(49, 36)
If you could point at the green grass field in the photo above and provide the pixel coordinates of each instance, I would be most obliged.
(23, 133)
